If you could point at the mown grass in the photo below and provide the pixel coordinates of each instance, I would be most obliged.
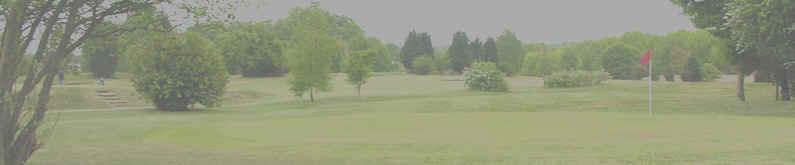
(405, 119)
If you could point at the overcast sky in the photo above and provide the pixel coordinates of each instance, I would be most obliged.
(532, 20)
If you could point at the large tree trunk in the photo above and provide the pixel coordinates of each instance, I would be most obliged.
(312, 94)
(741, 86)
(783, 82)
(4, 118)
(9, 59)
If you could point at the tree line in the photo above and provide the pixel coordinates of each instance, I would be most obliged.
(618, 56)
(506, 52)
(694, 55)
(250, 49)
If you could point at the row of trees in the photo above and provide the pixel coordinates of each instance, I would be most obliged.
(419, 56)
(759, 35)
(462, 53)
(695, 55)
(618, 55)
(252, 49)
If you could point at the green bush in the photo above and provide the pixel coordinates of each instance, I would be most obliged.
(669, 76)
(693, 71)
(484, 76)
(175, 71)
(710, 72)
(424, 65)
(575, 79)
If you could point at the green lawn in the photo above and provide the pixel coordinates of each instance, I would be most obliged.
(405, 119)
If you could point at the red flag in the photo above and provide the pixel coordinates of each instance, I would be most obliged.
(645, 59)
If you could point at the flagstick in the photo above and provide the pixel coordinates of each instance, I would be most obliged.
(651, 73)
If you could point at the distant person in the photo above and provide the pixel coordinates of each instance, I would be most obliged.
(101, 81)
(60, 78)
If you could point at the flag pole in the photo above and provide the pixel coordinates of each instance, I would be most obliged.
(651, 74)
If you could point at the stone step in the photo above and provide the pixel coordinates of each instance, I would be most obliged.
(116, 102)
(106, 94)
(78, 83)
(112, 98)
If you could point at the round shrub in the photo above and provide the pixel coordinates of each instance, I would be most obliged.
(575, 79)
(424, 65)
(175, 71)
(669, 76)
(484, 76)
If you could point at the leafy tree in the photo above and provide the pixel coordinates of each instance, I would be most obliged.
(460, 52)
(34, 22)
(510, 53)
(589, 54)
(211, 30)
(311, 53)
(693, 70)
(394, 52)
(642, 41)
(764, 28)
(382, 57)
(490, 53)
(137, 28)
(620, 61)
(529, 65)
(762, 41)
(713, 16)
(548, 63)
(341, 27)
(175, 71)
(252, 50)
(100, 55)
(664, 53)
(358, 67)
(569, 60)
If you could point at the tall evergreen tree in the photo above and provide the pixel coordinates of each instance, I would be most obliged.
(490, 51)
(476, 48)
(415, 46)
(510, 53)
(460, 54)
(408, 52)
(427, 44)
